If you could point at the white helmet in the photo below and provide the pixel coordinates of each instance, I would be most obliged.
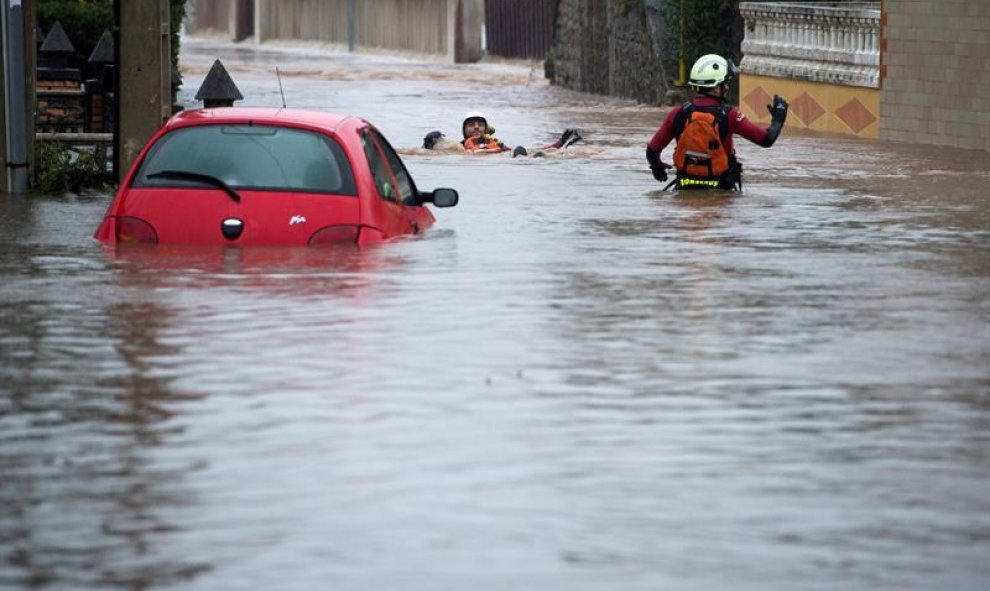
(712, 70)
(476, 115)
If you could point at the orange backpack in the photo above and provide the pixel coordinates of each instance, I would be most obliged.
(700, 151)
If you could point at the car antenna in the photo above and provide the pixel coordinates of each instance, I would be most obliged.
(282, 92)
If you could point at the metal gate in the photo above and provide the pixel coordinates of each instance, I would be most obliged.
(519, 28)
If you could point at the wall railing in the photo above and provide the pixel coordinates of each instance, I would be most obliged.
(834, 43)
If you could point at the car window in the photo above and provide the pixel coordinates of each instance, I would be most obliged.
(384, 181)
(251, 157)
(407, 189)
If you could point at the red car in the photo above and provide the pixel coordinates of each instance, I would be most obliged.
(267, 177)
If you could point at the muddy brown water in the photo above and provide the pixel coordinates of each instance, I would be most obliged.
(574, 381)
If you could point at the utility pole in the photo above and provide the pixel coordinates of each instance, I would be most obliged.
(15, 103)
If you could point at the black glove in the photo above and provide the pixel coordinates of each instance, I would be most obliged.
(660, 172)
(431, 139)
(778, 110)
(778, 114)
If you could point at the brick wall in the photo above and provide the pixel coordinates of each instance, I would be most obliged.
(935, 71)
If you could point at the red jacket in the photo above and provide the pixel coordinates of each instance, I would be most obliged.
(738, 124)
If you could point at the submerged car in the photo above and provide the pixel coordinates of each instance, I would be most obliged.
(268, 177)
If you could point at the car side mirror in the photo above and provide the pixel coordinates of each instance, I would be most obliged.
(440, 197)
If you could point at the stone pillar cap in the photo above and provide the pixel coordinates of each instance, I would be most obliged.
(217, 86)
(103, 52)
(57, 41)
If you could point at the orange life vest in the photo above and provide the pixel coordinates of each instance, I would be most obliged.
(484, 144)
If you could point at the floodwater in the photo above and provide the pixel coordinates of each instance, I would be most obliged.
(574, 381)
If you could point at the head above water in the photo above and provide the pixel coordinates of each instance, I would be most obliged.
(475, 123)
(712, 72)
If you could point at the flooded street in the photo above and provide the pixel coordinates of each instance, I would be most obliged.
(574, 381)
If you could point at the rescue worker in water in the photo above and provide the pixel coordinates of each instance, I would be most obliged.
(479, 138)
(479, 135)
(704, 157)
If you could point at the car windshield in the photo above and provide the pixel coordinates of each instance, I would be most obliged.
(249, 157)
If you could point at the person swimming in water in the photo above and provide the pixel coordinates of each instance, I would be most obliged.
(479, 138)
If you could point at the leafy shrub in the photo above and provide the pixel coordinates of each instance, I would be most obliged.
(59, 169)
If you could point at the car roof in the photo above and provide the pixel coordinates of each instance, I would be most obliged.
(261, 116)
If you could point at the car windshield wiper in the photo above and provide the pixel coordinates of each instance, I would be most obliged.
(196, 176)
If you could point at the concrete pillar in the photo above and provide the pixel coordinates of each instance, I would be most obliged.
(465, 19)
(144, 77)
(30, 76)
(242, 20)
(16, 94)
(4, 176)
(262, 29)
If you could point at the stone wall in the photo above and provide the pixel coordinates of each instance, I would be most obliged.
(936, 72)
(607, 47)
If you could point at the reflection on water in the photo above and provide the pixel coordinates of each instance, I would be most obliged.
(574, 381)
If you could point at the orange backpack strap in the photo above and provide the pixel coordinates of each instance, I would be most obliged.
(681, 118)
(721, 118)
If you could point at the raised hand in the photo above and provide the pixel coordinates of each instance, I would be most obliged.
(778, 110)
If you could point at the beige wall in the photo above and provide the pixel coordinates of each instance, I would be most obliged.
(208, 16)
(422, 26)
(823, 58)
(935, 72)
(451, 28)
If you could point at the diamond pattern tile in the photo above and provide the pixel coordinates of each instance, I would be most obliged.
(855, 115)
(807, 108)
(758, 99)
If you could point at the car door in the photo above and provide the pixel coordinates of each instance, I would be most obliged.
(418, 216)
(386, 211)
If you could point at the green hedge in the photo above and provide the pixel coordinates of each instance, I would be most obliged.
(60, 168)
